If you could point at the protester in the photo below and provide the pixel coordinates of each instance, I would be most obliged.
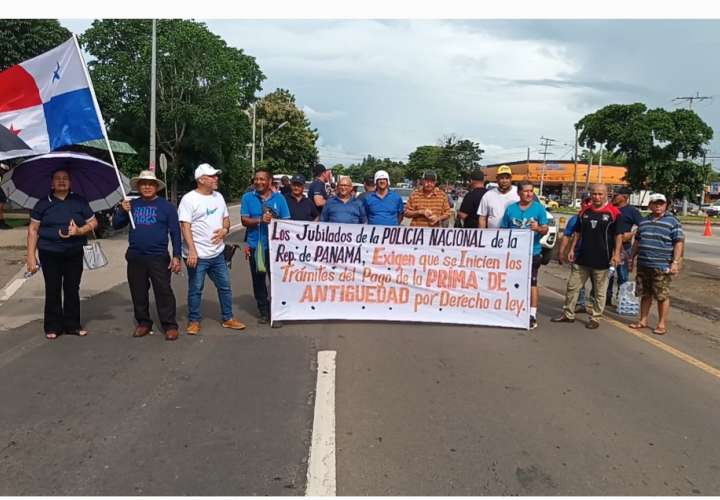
(468, 212)
(58, 228)
(257, 209)
(285, 188)
(205, 222)
(383, 206)
(528, 213)
(658, 248)
(369, 184)
(629, 217)
(147, 254)
(493, 204)
(318, 190)
(596, 231)
(300, 206)
(428, 206)
(343, 207)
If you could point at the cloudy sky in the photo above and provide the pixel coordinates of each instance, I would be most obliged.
(385, 87)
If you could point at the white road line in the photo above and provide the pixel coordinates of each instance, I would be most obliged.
(11, 288)
(321, 465)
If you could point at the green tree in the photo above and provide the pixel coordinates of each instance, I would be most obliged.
(290, 148)
(369, 165)
(608, 157)
(452, 159)
(660, 146)
(203, 86)
(23, 39)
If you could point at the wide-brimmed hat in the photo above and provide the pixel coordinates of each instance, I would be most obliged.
(146, 175)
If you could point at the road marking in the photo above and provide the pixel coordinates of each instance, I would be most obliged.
(711, 370)
(11, 288)
(321, 465)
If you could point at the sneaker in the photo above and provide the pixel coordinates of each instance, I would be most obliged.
(263, 320)
(533, 322)
(277, 324)
(193, 328)
(141, 331)
(233, 324)
(563, 319)
(171, 334)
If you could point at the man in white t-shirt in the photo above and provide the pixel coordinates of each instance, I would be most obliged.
(205, 222)
(493, 204)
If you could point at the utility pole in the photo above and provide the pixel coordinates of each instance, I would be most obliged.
(153, 85)
(544, 142)
(600, 165)
(589, 167)
(528, 161)
(690, 99)
(574, 191)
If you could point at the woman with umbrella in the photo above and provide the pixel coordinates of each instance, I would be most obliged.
(58, 227)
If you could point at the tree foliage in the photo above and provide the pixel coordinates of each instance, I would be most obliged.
(202, 87)
(369, 165)
(452, 159)
(608, 157)
(291, 148)
(23, 39)
(660, 146)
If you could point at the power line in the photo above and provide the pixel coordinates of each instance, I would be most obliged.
(546, 142)
(690, 99)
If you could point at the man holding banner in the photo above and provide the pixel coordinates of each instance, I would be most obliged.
(528, 213)
(257, 209)
(384, 207)
(428, 206)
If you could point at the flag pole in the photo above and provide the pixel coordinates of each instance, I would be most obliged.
(102, 125)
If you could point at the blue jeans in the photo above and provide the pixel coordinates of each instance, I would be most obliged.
(218, 272)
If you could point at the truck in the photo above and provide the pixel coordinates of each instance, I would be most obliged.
(640, 199)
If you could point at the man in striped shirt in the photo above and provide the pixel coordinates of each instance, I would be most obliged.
(658, 249)
(429, 205)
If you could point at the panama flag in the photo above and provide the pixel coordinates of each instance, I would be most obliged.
(47, 102)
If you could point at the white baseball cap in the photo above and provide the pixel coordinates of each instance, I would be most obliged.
(381, 174)
(206, 169)
(657, 197)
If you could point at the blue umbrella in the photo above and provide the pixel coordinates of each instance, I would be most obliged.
(91, 178)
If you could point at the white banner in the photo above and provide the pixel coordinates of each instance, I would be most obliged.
(399, 273)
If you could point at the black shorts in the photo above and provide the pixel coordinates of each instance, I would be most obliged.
(3, 198)
(536, 261)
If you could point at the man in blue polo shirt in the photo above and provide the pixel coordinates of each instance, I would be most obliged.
(301, 207)
(343, 207)
(384, 207)
(257, 209)
(317, 192)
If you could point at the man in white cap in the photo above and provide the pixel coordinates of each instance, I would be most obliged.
(384, 207)
(147, 254)
(494, 202)
(658, 249)
(205, 222)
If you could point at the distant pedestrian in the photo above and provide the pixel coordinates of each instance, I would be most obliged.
(528, 213)
(300, 206)
(343, 208)
(257, 210)
(148, 262)
(429, 205)
(491, 209)
(383, 206)
(285, 187)
(369, 185)
(318, 191)
(658, 248)
(468, 212)
(58, 228)
(205, 222)
(596, 233)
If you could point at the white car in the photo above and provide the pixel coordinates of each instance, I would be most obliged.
(549, 240)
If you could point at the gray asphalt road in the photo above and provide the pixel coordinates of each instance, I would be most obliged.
(702, 248)
(421, 409)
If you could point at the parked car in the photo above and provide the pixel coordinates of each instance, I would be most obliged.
(549, 240)
(713, 210)
(548, 203)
